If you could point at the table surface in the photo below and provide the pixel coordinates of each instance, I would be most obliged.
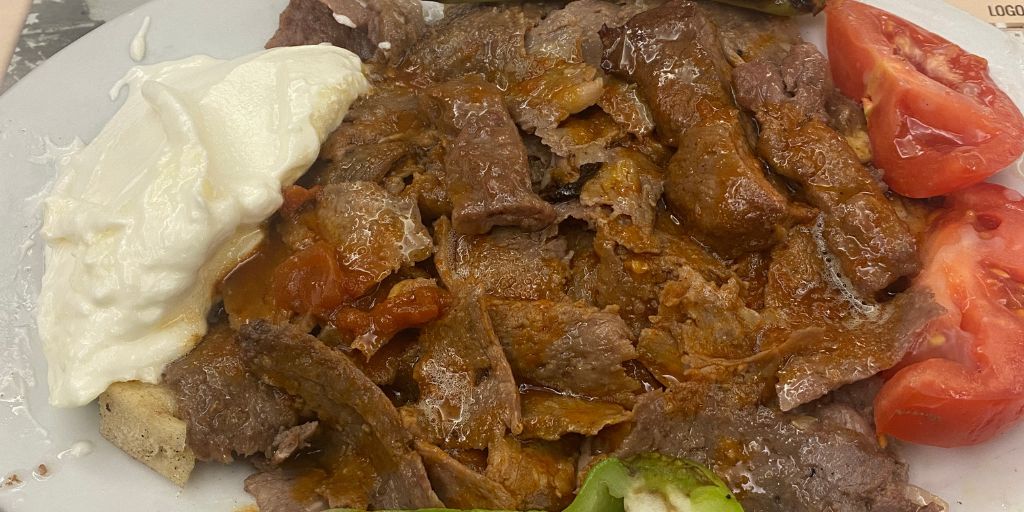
(53, 24)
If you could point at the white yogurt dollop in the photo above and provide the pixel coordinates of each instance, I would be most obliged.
(145, 220)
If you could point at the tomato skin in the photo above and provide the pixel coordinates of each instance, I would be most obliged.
(963, 383)
(313, 282)
(936, 120)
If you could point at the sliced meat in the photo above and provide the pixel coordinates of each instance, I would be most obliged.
(672, 54)
(806, 76)
(847, 117)
(800, 79)
(227, 410)
(633, 281)
(390, 112)
(393, 363)
(540, 475)
(387, 27)
(585, 138)
(540, 103)
(565, 347)
(570, 33)
(428, 189)
(862, 229)
(347, 401)
(374, 232)
(714, 183)
(697, 318)
(487, 173)
(460, 487)
(550, 416)
(385, 135)
(625, 192)
(468, 397)
(857, 338)
(292, 440)
(479, 39)
(623, 103)
(305, 22)
(273, 492)
(506, 263)
(747, 35)
(368, 162)
(717, 187)
(762, 452)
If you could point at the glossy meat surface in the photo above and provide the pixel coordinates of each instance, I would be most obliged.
(557, 231)
(486, 170)
(872, 245)
(564, 347)
(344, 399)
(468, 396)
(763, 452)
(227, 409)
(714, 183)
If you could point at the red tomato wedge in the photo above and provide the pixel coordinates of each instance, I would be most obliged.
(936, 120)
(964, 381)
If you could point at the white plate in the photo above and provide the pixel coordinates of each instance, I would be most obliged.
(67, 98)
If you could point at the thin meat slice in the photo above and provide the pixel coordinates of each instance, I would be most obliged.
(540, 475)
(585, 138)
(625, 194)
(477, 39)
(550, 416)
(566, 347)
(290, 441)
(714, 183)
(862, 229)
(570, 33)
(227, 410)
(468, 397)
(487, 174)
(347, 401)
(761, 452)
(697, 320)
(856, 339)
(748, 35)
(460, 487)
(506, 263)
(634, 281)
(672, 54)
(540, 103)
(375, 232)
(800, 79)
(273, 493)
(623, 103)
(797, 74)
(382, 134)
(387, 27)
(305, 22)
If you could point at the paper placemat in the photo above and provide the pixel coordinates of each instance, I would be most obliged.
(1005, 15)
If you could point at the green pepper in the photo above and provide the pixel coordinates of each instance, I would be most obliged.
(645, 483)
(776, 7)
(653, 483)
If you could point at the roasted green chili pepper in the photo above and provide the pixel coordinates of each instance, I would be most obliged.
(645, 483)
